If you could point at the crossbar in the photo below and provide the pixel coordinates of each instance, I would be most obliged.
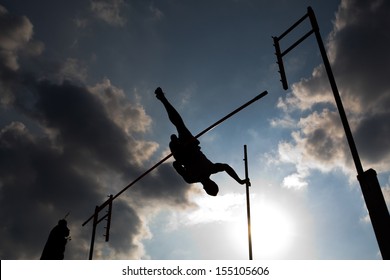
(259, 96)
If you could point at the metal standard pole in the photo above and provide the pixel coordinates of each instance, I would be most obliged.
(95, 217)
(335, 91)
(248, 208)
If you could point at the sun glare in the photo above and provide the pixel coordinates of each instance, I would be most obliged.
(273, 226)
(272, 230)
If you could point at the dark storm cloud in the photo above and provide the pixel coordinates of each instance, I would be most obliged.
(80, 124)
(362, 65)
(38, 187)
(165, 182)
(61, 156)
(373, 135)
(62, 169)
(361, 43)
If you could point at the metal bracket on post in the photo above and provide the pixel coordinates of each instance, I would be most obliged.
(108, 216)
(280, 63)
(96, 221)
(376, 206)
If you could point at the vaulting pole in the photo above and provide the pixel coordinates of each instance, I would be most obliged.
(107, 202)
(248, 207)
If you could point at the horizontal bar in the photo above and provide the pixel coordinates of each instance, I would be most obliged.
(297, 42)
(292, 27)
(99, 208)
(264, 93)
(102, 218)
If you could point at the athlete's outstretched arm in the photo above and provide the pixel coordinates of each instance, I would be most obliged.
(219, 167)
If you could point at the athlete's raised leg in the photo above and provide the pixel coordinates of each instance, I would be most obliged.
(173, 115)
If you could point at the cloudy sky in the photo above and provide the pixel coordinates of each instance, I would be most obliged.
(79, 121)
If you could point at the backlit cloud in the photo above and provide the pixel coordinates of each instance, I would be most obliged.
(109, 11)
(15, 37)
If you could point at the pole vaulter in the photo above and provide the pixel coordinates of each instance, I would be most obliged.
(109, 201)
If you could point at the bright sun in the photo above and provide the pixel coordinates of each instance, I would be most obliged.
(272, 230)
(273, 224)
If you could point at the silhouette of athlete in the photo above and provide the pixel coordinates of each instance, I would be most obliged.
(190, 162)
(55, 245)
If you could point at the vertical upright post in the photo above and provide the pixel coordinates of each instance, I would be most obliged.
(95, 217)
(109, 219)
(248, 208)
(335, 91)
